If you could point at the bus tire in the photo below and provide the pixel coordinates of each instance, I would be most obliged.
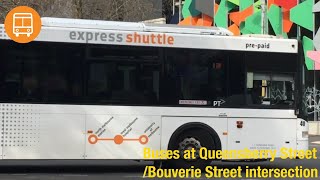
(191, 138)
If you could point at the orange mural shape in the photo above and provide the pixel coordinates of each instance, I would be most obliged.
(287, 4)
(216, 7)
(234, 29)
(189, 21)
(205, 20)
(287, 24)
(238, 17)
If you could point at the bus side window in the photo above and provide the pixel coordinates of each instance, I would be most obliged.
(31, 89)
(99, 82)
(10, 80)
(57, 88)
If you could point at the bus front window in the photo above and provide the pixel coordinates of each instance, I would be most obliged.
(272, 89)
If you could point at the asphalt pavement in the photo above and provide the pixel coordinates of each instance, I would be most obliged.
(102, 170)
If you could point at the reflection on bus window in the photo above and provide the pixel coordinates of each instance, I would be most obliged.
(131, 77)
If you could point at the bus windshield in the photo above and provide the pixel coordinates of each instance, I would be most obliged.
(272, 89)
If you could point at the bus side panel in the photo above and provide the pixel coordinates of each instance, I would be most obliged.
(261, 133)
(43, 132)
(2, 130)
(171, 124)
(114, 136)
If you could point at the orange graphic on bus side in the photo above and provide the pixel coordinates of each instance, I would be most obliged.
(118, 139)
(23, 24)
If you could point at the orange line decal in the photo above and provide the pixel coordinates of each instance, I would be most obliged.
(118, 139)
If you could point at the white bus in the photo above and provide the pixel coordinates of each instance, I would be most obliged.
(106, 90)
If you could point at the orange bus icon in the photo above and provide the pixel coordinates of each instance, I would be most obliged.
(22, 24)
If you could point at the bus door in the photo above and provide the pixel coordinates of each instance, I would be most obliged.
(274, 95)
(267, 119)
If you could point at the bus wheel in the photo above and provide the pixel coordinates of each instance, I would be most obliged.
(195, 138)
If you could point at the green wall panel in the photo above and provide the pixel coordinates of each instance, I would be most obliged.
(236, 2)
(256, 6)
(221, 18)
(189, 9)
(253, 23)
(302, 14)
(221, 15)
(308, 46)
(244, 4)
(275, 18)
(285, 35)
(243, 29)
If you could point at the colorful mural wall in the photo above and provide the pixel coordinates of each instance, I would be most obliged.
(285, 18)
(244, 17)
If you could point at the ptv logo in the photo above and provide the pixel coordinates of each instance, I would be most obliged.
(218, 103)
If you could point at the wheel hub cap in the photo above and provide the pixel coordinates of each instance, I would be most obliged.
(189, 144)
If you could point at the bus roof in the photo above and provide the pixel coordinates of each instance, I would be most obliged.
(143, 34)
(132, 26)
